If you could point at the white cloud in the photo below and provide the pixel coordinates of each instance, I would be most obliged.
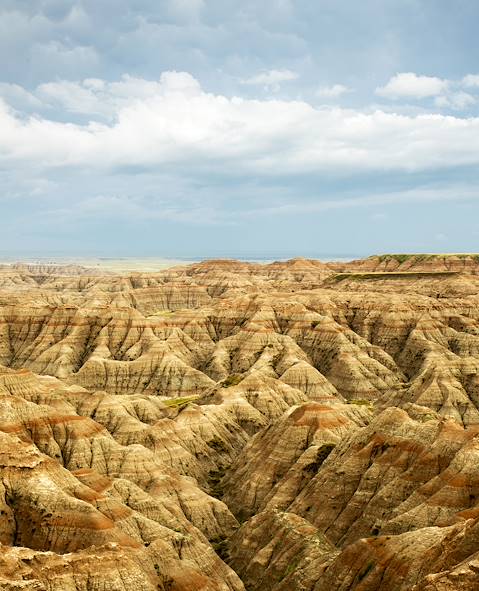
(471, 80)
(456, 100)
(271, 79)
(174, 123)
(334, 91)
(185, 10)
(18, 96)
(56, 54)
(410, 85)
(447, 94)
(95, 96)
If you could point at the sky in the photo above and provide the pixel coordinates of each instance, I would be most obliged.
(200, 128)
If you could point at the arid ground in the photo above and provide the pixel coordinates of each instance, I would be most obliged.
(293, 426)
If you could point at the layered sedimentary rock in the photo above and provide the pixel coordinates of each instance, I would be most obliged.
(226, 425)
(463, 263)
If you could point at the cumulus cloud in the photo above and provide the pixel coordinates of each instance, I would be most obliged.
(471, 80)
(456, 100)
(271, 79)
(334, 91)
(96, 96)
(410, 85)
(17, 95)
(174, 123)
(447, 94)
(57, 56)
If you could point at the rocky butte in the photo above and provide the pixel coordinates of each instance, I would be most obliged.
(228, 426)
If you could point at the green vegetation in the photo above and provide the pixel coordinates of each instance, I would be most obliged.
(391, 275)
(291, 568)
(427, 417)
(402, 258)
(215, 478)
(360, 402)
(179, 402)
(232, 380)
(164, 313)
(220, 546)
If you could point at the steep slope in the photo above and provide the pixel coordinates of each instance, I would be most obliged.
(226, 425)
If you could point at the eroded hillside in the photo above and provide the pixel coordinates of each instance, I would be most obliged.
(297, 426)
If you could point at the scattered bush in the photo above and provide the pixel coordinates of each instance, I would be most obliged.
(215, 478)
(232, 380)
(220, 546)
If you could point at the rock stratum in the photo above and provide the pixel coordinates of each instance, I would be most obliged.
(228, 426)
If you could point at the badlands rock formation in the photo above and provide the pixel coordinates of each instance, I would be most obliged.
(227, 426)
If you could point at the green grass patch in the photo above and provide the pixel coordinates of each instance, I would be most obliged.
(392, 275)
(360, 402)
(292, 566)
(403, 257)
(400, 258)
(232, 380)
(179, 402)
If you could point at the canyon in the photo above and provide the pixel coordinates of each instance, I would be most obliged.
(229, 426)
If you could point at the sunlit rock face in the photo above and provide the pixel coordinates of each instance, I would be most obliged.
(296, 426)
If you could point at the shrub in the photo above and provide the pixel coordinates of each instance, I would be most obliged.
(232, 380)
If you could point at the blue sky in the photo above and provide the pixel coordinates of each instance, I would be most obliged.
(239, 128)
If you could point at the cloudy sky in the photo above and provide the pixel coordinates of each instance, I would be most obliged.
(238, 127)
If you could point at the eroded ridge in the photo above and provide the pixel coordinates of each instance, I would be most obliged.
(296, 426)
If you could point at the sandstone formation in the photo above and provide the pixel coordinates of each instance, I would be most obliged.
(293, 426)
